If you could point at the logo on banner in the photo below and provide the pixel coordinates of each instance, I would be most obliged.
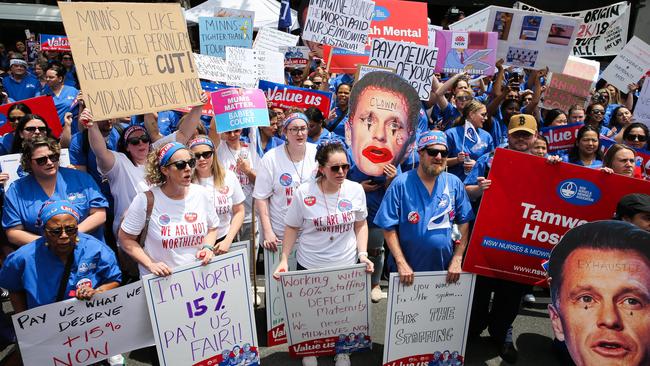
(310, 200)
(286, 179)
(191, 217)
(381, 13)
(578, 192)
(345, 205)
(413, 217)
(444, 201)
(459, 40)
(164, 219)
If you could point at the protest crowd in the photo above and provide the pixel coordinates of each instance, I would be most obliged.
(387, 152)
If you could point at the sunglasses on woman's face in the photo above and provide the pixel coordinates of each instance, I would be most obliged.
(640, 138)
(204, 155)
(337, 168)
(14, 118)
(32, 129)
(598, 111)
(181, 164)
(136, 140)
(54, 158)
(69, 230)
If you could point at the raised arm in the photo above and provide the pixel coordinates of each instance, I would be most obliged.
(193, 118)
(105, 158)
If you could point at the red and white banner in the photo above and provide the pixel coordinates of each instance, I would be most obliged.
(286, 96)
(521, 219)
(42, 106)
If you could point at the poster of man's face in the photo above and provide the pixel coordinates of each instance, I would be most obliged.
(600, 286)
(382, 121)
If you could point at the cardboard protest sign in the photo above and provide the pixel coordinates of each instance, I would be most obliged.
(434, 312)
(341, 24)
(131, 58)
(210, 67)
(526, 39)
(520, 219)
(630, 64)
(603, 31)
(75, 332)
(432, 34)
(412, 62)
(473, 52)
(43, 106)
(269, 65)
(203, 315)
(10, 164)
(362, 70)
(270, 39)
(582, 68)
(295, 57)
(563, 91)
(561, 137)
(327, 310)
(276, 332)
(236, 108)
(642, 107)
(218, 33)
(394, 20)
(50, 42)
(286, 96)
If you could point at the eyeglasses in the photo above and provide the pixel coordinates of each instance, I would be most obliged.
(181, 164)
(640, 138)
(598, 111)
(136, 140)
(204, 155)
(54, 158)
(464, 99)
(69, 230)
(14, 118)
(337, 168)
(297, 130)
(434, 152)
(32, 129)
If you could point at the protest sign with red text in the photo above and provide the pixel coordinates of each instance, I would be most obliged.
(521, 219)
(561, 137)
(285, 96)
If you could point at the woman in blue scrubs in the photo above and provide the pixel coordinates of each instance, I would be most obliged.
(65, 96)
(47, 181)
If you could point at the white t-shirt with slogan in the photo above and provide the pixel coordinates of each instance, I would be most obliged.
(226, 196)
(327, 222)
(177, 228)
(228, 159)
(277, 178)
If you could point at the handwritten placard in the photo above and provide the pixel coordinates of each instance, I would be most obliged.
(270, 39)
(236, 108)
(210, 67)
(218, 33)
(74, 332)
(341, 24)
(275, 327)
(564, 91)
(131, 58)
(327, 310)
(582, 68)
(245, 67)
(203, 315)
(428, 321)
(413, 62)
(642, 108)
(630, 64)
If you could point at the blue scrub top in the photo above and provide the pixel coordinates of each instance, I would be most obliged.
(37, 271)
(424, 221)
(480, 169)
(499, 131)
(167, 121)
(25, 197)
(88, 159)
(449, 115)
(5, 143)
(457, 143)
(325, 134)
(63, 103)
(27, 88)
(595, 164)
(339, 130)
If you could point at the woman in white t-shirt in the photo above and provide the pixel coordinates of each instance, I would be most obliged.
(280, 172)
(227, 193)
(330, 215)
(183, 222)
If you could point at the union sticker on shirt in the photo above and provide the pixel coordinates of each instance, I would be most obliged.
(444, 201)
(345, 205)
(77, 197)
(164, 219)
(413, 217)
(191, 216)
(84, 282)
(224, 190)
(286, 179)
(310, 200)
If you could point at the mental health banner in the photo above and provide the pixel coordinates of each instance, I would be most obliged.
(203, 315)
(131, 58)
(327, 310)
(427, 321)
(603, 31)
(286, 96)
(236, 108)
(521, 219)
(276, 332)
(75, 332)
(471, 52)
(50, 42)
(218, 33)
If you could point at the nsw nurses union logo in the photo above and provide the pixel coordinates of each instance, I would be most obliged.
(164, 219)
(413, 217)
(345, 205)
(578, 192)
(286, 179)
(444, 200)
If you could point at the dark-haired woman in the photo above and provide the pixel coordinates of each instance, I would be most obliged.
(635, 135)
(586, 150)
(330, 215)
(29, 127)
(595, 115)
(47, 181)
(338, 116)
(316, 126)
(65, 96)
(14, 114)
(555, 117)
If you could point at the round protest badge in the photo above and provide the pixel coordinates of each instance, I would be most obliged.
(414, 217)
(286, 179)
(84, 282)
(191, 217)
(224, 190)
(310, 200)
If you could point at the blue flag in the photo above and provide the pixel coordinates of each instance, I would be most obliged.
(284, 22)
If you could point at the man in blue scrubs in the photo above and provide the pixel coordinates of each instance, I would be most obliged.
(418, 211)
(20, 84)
